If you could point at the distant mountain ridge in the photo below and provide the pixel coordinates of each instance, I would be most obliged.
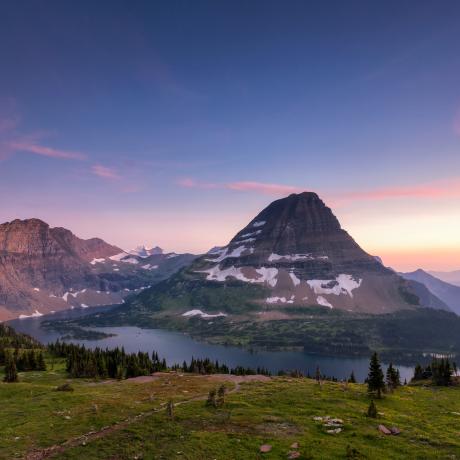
(44, 269)
(448, 293)
(452, 277)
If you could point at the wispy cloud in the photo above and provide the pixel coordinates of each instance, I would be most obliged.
(188, 182)
(105, 172)
(437, 189)
(261, 187)
(244, 186)
(37, 149)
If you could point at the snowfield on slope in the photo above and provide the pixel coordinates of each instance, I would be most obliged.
(202, 314)
(267, 274)
(344, 284)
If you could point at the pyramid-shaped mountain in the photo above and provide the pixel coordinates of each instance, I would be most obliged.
(292, 254)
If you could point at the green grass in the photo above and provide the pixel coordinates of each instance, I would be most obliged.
(278, 412)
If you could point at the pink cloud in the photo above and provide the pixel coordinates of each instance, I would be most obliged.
(266, 189)
(188, 182)
(30, 147)
(105, 172)
(438, 189)
(245, 186)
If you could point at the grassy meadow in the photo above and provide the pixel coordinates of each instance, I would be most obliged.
(126, 419)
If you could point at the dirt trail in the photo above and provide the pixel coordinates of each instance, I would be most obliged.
(107, 430)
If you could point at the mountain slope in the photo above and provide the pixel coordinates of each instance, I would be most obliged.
(448, 277)
(293, 254)
(44, 269)
(448, 293)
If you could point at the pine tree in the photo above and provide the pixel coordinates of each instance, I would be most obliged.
(170, 409)
(393, 378)
(318, 375)
(375, 380)
(11, 373)
(221, 395)
(418, 373)
(212, 398)
(352, 378)
(41, 365)
(372, 410)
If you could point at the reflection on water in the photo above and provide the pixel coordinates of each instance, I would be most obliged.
(177, 347)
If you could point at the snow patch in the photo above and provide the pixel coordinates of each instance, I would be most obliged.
(275, 299)
(149, 267)
(130, 260)
(322, 301)
(37, 289)
(83, 305)
(295, 280)
(259, 223)
(247, 240)
(247, 235)
(118, 257)
(343, 284)
(98, 261)
(267, 275)
(35, 314)
(234, 253)
(202, 314)
(293, 257)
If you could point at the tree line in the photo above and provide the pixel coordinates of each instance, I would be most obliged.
(82, 362)
(440, 372)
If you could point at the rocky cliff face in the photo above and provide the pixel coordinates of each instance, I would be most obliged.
(44, 269)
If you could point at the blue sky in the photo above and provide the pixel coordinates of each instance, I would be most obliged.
(163, 122)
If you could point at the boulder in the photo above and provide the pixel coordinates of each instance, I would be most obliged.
(264, 448)
(383, 429)
(395, 430)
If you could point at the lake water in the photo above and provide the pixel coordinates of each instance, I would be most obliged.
(176, 347)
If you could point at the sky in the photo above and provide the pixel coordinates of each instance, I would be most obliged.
(174, 123)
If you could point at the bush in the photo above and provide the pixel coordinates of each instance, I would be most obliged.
(65, 387)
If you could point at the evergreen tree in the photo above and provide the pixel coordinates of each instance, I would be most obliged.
(318, 375)
(221, 395)
(375, 380)
(418, 373)
(170, 409)
(352, 378)
(41, 365)
(11, 373)
(212, 398)
(372, 410)
(393, 378)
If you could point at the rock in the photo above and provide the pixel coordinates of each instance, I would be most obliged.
(335, 431)
(383, 429)
(295, 445)
(395, 431)
(264, 448)
(293, 454)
